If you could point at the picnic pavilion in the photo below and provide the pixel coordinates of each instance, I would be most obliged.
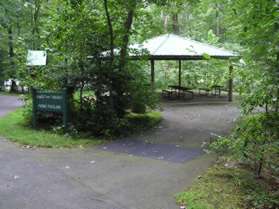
(177, 48)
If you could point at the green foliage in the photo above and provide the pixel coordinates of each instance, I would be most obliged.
(255, 132)
(229, 188)
(257, 30)
(191, 200)
(116, 83)
(142, 95)
(221, 145)
(195, 74)
(71, 31)
(14, 128)
(217, 188)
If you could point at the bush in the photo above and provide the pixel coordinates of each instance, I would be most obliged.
(108, 94)
(221, 146)
(141, 92)
(116, 93)
(254, 141)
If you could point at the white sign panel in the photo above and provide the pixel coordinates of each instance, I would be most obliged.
(36, 58)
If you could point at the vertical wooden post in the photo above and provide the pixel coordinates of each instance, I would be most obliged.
(179, 74)
(230, 92)
(34, 107)
(152, 73)
(65, 106)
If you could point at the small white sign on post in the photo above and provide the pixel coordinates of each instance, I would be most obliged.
(36, 58)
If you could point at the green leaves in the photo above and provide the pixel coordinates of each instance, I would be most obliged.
(255, 132)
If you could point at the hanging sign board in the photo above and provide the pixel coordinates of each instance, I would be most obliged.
(36, 58)
(50, 101)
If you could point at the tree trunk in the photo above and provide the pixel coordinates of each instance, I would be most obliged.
(81, 95)
(35, 24)
(175, 23)
(217, 29)
(165, 19)
(11, 57)
(277, 99)
(11, 44)
(13, 87)
(110, 28)
(259, 168)
(127, 26)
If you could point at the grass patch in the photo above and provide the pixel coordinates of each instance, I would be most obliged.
(229, 188)
(13, 128)
(148, 120)
(141, 122)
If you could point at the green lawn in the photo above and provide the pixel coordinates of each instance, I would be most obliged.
(213, 190)
(144, 121)
(229, 188)
(12, 127)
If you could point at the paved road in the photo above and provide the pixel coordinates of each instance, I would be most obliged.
(8, 103)
(98, 178)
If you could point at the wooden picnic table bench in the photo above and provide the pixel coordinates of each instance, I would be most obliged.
(205, 90)
(216, 90)
(181, 91)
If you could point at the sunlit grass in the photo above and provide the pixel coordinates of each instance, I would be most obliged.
(13, 127)
(228, 188)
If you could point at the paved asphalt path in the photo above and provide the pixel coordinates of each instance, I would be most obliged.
(100, 178)
(8, 103)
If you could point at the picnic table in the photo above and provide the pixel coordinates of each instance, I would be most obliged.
(205, 90)
(215, 90)
(178, 92)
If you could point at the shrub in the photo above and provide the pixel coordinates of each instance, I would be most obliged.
(141, 93)
(254, 141)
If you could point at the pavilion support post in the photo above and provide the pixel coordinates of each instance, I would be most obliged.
(152, 74)
(230, 92)
(179, 74)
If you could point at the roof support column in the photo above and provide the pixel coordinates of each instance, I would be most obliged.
(179, 74)
(230, 84)
(152, 73)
